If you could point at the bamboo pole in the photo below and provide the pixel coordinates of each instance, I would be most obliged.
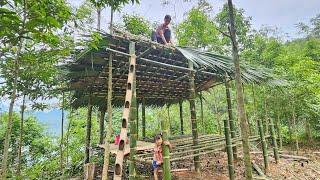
(101, 125)
(166, 152)
(201, 106)
(274, 141)
(231, 119)
(266, 121)
(143, 118)
(295, 130)
(133, 130)
(196, 159)
(279, 129)
(137, 118)
(109, 109)
(308, 130)
(262, 137)
(88, 136)
(21, 136)
(229, 147)
(61, 140)
(241, 107)
(181, 116)
(169, 120)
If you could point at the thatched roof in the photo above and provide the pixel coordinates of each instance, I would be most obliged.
(162, 71)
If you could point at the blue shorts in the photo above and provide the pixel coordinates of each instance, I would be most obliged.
(155, 165)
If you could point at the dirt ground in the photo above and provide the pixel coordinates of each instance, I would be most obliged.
(214, 166)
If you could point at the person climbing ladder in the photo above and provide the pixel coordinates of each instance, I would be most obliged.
(162, 34)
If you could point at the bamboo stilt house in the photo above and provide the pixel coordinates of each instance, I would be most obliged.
(155, 75)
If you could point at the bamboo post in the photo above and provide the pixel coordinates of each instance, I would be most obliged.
(241, 107)
(133, 126)
(231, 119)
(266, 122)
(23, 107)
(125, 117)
(262, 138)
(166, 152)
(274, 141)
(308, 130)
(181, 116)
(217, 115)
(201, 106)
(101, 125)
(61, 140)
(279, 129)
(109, 109)
(228, 142)
(170, 125)
(295, 130)
(137, 119)
(88, 136)
(192, 98)
(143, 118)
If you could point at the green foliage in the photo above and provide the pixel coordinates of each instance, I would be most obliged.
(198, 31)
(37, 146)
(242, 26)
(137, 25)
(115, 4)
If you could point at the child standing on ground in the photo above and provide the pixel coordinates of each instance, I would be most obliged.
(157, 157)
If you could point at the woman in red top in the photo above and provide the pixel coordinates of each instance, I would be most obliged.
(157, 156)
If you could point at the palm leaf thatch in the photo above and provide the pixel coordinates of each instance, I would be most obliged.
(163, 81)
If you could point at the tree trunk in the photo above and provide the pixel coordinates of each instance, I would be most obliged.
(245, 101)
(262, 137)
(143, 118)
(89, 124)
(109, 109)
(192, 98)
(202, 121)
(67, 137)
(217, 116)
(230, 115)
(228, 139)
(13, 98)
(99, 18)
(166, 152)
(21, 137)
(61, 141)
(274, 141)
(101, 125)
(181, 117)
(290, 129)
(279, 130)
(295, 131)
(308, 130)
(241, 108)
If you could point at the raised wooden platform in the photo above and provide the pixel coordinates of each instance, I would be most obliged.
(141, 146)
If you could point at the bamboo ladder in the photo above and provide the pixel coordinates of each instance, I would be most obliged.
(126, 113)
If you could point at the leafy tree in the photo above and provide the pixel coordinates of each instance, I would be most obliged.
(198, 31)
(36, 25)
(137, 25)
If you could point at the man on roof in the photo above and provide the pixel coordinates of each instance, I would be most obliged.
(162, 34)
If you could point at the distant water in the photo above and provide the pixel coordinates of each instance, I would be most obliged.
(51, 120)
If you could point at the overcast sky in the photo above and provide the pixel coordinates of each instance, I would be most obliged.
(283, 14)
